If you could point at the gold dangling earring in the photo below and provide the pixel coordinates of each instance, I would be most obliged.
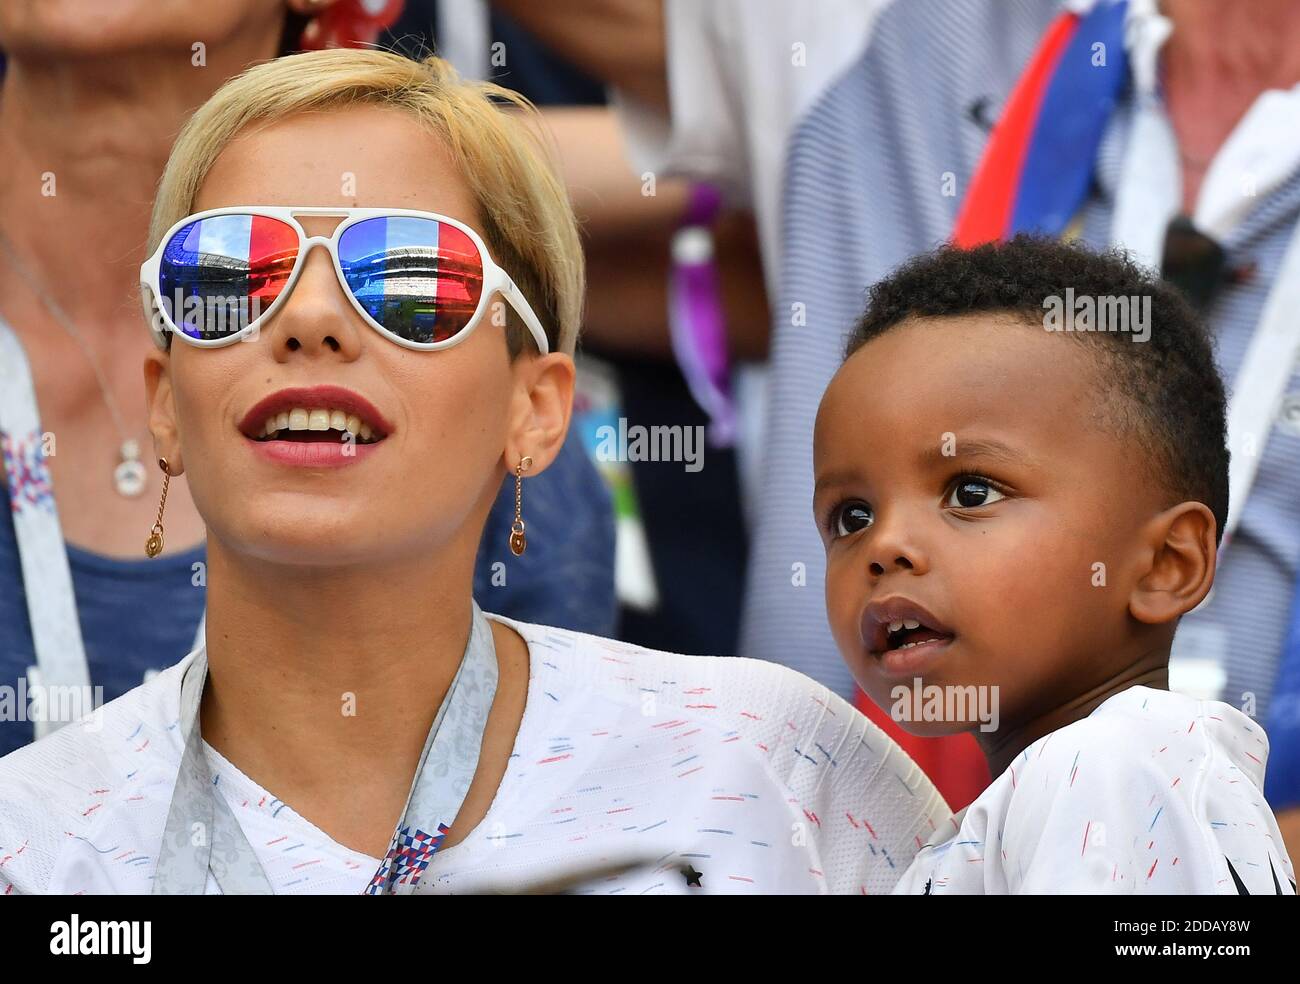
(518, 542)
(153, 546)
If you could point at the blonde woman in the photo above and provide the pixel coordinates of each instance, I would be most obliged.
(406, 280)
(92, 96)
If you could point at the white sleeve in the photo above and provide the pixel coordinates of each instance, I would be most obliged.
(876, 818)
(704, 139)
(1105, 812)
(864, 807)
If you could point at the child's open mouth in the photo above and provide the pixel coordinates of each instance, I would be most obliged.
(902, 634)
(908, 632)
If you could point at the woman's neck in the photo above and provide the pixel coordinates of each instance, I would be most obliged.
(322, 688)
(314, 674)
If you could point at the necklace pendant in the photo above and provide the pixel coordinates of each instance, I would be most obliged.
(129, 476)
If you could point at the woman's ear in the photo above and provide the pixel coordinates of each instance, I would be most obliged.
(1183, 552)
(540, 414)
(162, 410)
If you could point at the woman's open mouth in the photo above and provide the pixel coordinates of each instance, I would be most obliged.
(318, 426)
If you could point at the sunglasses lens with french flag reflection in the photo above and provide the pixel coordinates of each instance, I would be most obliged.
(419, 278)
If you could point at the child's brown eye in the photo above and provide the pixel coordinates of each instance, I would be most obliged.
(971, 492)
(851, 517)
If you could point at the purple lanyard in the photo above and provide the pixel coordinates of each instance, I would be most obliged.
(696, 321)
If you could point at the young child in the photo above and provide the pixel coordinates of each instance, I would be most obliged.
(1017, 507)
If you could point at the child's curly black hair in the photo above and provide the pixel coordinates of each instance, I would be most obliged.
(1165, 391)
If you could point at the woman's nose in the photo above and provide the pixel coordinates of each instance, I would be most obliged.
(317, 316)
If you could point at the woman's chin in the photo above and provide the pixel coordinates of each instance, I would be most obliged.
(314, 541)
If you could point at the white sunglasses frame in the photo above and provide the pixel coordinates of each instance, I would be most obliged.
(495, 279)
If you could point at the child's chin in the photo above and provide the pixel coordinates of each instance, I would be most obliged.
(936, 729)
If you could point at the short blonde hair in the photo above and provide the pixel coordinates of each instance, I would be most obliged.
(491, 133)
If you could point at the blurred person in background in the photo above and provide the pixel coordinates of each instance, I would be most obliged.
(709, 91)
(92, 97)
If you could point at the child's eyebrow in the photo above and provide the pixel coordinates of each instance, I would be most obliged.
(986, 447)
(836, 478)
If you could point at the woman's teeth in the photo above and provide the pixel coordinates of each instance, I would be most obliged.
(906, 623)
(316, 419)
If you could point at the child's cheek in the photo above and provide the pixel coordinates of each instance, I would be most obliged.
(845, 599)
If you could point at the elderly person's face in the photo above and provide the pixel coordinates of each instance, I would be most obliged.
(453, 420)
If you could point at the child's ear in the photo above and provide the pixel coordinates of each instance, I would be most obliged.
(1181, 554)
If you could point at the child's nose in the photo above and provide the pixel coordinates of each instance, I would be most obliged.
(901, 562)
(893, 548)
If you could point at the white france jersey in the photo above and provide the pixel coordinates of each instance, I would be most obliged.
(716, 774)
(1152, 793)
